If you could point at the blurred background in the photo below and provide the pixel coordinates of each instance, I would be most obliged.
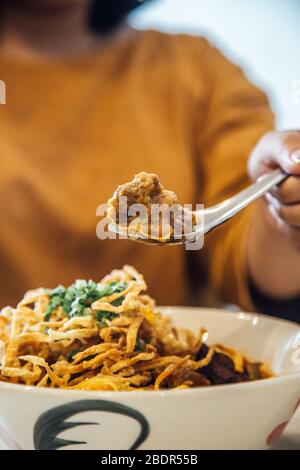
(263, 36)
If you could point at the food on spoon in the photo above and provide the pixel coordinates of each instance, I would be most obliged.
(159, 214)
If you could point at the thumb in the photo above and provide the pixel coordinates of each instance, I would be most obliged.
(293, 164)
(286, 158)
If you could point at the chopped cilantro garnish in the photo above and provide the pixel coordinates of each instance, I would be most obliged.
(88, 358)
(140, 345)
(56, 300)
(76, 299)
(118, 302)
(112, 288)
(73, 353)
(102, 317)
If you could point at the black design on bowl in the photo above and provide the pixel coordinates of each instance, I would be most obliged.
(54, 421)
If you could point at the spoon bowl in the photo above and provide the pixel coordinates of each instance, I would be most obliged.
(141, 238)
(213, 216)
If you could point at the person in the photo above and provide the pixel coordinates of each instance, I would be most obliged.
(90, 102)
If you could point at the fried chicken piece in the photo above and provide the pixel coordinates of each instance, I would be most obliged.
(145, 189)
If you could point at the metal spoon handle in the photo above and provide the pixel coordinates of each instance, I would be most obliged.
(219, 213)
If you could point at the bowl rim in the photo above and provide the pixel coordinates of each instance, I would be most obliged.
(241, 314)
(209, 390)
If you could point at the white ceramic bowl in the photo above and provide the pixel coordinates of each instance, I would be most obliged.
(238, 416)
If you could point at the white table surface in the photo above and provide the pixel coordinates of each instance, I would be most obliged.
(290, 440)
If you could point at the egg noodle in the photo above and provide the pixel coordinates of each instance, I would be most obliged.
(109, 336)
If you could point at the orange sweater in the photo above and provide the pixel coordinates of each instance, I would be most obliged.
(72, 131)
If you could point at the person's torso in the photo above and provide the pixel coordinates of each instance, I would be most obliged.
(70, 133)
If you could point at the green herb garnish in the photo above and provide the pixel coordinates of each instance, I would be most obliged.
(102, 317)
(88, 358)
(56, 300)
(118, 302)
(73, 353)
(140, 345)
(76, 299)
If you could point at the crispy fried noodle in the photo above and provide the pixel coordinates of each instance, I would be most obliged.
(109, 336)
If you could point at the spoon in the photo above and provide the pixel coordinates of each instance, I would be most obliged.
(215, 215)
